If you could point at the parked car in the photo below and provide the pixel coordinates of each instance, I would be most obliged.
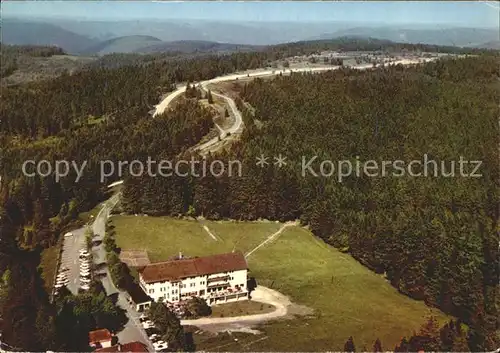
(69, 234)
(160, 345)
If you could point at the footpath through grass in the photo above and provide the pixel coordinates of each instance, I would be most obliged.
(347, 298)
(164, 237)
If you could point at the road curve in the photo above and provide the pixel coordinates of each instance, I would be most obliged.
(160, 108)
(259, 294)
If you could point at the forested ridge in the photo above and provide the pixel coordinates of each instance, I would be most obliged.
(103, 113)
(434, 238)
(9, 55)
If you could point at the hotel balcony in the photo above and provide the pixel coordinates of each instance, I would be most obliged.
(225, 293)
(218, 279)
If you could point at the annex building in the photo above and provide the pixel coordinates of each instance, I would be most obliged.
(216, 278)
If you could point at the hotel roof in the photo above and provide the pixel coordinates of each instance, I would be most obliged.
(175, 270)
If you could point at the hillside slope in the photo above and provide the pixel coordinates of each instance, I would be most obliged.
(449, 36)
(126, 44)
(18, 32)
(196, 46)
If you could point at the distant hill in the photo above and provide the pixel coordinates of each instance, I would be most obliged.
(149, 44)
(494, 44)
(190, 36)
(30, 63)
(196, 46)
(18, 32)
(127, 44)
(461, 37)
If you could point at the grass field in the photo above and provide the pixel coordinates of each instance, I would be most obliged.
(245, 307)
(164, 237)
(347, 298)
(48, 264)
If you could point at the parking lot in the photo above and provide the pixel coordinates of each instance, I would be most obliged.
(153, 334)
(75, 268)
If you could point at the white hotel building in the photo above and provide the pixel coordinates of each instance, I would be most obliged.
(216, 278)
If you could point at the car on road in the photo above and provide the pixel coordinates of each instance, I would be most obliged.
(69, 234)
(160, 345)
(148, 324)
(155, 338)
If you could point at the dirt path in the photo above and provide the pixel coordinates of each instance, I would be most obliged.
(210, 233)
(271, 237)
(260, 294)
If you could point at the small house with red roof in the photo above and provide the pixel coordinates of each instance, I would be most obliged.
(100, 338)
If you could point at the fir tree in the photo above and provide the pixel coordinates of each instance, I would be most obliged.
(349, 345)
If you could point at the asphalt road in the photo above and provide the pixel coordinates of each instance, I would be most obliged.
(238, 123)
(241, 323)
(133, 330)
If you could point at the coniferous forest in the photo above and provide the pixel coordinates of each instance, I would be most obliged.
(434, 238)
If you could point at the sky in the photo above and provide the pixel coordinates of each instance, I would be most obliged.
(451, 13)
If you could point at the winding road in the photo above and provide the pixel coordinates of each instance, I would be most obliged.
(238, 121)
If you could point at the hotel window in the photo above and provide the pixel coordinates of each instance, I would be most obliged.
(173, 291)
(151, 291)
